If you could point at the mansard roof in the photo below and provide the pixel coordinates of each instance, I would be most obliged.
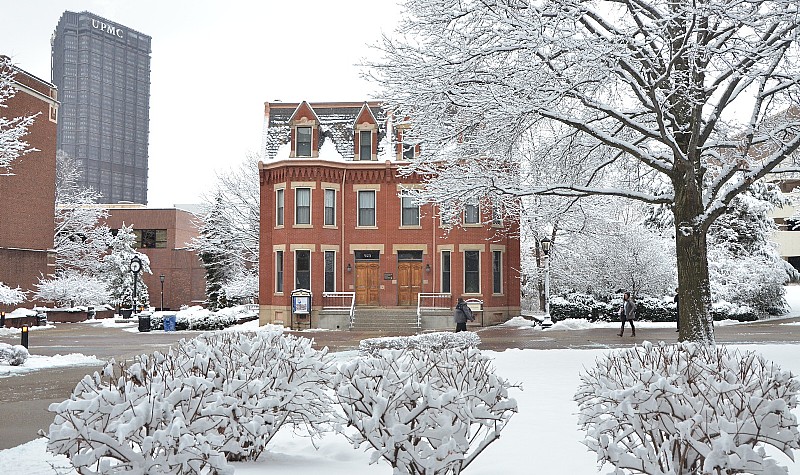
(337, 122)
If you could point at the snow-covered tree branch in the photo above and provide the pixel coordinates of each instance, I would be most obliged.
(678, 103)
(13, 129)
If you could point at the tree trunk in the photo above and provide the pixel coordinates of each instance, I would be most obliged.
(694, 288)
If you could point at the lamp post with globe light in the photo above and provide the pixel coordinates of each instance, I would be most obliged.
(547, 322)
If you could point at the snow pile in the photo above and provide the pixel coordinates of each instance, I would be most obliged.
(216, 398)
(430, 412)
(687, 408)
(426, 342)
(573, 324)
(13, 355)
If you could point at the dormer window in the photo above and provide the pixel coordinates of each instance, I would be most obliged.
(365, 145)
(303, 141)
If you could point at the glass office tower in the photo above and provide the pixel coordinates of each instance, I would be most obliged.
(102, 71)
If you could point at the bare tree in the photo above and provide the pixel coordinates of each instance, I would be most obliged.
(683, 104)
(13, 129)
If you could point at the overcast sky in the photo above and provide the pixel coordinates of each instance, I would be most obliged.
(214, 64)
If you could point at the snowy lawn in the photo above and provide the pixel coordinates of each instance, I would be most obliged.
(35, 362)
(542, 438)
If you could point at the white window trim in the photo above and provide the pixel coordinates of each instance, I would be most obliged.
(283, 264)
(419, 215)
(283, 191)
(310, 208)
(358, 209)
(310, 267)
(335, 197)
(464, 217)
(502, 265)
(297, 141)
(464, 272)
(335, 260)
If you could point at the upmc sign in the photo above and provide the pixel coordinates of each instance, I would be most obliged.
(110, 29)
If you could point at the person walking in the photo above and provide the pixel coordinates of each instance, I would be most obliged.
(461, 314)
(627, 313)
(677, 313)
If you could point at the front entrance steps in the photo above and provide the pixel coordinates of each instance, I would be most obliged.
(401, 320)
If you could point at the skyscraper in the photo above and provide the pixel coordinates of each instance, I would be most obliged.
(102, 71)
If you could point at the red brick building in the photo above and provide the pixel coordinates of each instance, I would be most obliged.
(334, 219)
(163, 235)
(28, 194)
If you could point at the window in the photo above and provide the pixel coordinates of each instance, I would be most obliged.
(302, 270)
(150, 238)
(365, 145)
(302, 206)
(279, 207)
(409, 215)
(278, 271)
(330, 207)
(471, 214)
(497, 272)
(446, 271)
(408, 151)
(366, 208)
(303, 146)
(472, 272)
(330, 272)
(497, 215)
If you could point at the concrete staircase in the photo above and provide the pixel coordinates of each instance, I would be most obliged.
(386, 320)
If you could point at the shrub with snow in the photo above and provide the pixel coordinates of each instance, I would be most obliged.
(427, 342)
(217, 398)
(13, 355)
(424, 412)
(9, 296)
(686, 408)
(200, 319)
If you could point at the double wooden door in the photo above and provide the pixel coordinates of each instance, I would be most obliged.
(409, 282)
(367, 283)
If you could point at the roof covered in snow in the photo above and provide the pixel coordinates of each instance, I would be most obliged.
(337, 128)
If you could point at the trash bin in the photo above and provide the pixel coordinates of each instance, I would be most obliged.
(144, 322)
(90, 313)
(127, 312)
(41, 319)
(169, 323)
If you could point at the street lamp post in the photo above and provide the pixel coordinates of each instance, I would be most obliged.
(135, 266)
(547, 322)
(161, 278)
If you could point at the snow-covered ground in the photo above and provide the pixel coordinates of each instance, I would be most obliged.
(542, 438)
(35, 362)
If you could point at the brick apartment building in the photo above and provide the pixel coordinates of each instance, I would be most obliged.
(28, 194)
(334, 219)
(163, 235)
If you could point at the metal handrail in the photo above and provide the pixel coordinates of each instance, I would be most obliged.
(341, 295)
(447, 297)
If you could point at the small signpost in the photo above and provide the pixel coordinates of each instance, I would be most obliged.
(301, 308)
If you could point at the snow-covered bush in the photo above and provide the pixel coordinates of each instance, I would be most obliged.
(427, 342)
(13, 355)
(576, 305)
(687, 408)
(424, 412)
(216, 398)
(200, 319)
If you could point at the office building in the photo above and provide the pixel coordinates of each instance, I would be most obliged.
(102, 72)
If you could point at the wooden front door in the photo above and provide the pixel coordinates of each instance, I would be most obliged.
(367, 283)
(409, 282)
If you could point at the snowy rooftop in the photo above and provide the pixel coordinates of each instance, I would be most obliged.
(336, 125)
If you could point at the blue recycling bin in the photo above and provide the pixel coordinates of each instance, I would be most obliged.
(169, 323)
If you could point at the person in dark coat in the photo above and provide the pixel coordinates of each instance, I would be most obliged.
(677, 313)
(627, 313)
(461, 314)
